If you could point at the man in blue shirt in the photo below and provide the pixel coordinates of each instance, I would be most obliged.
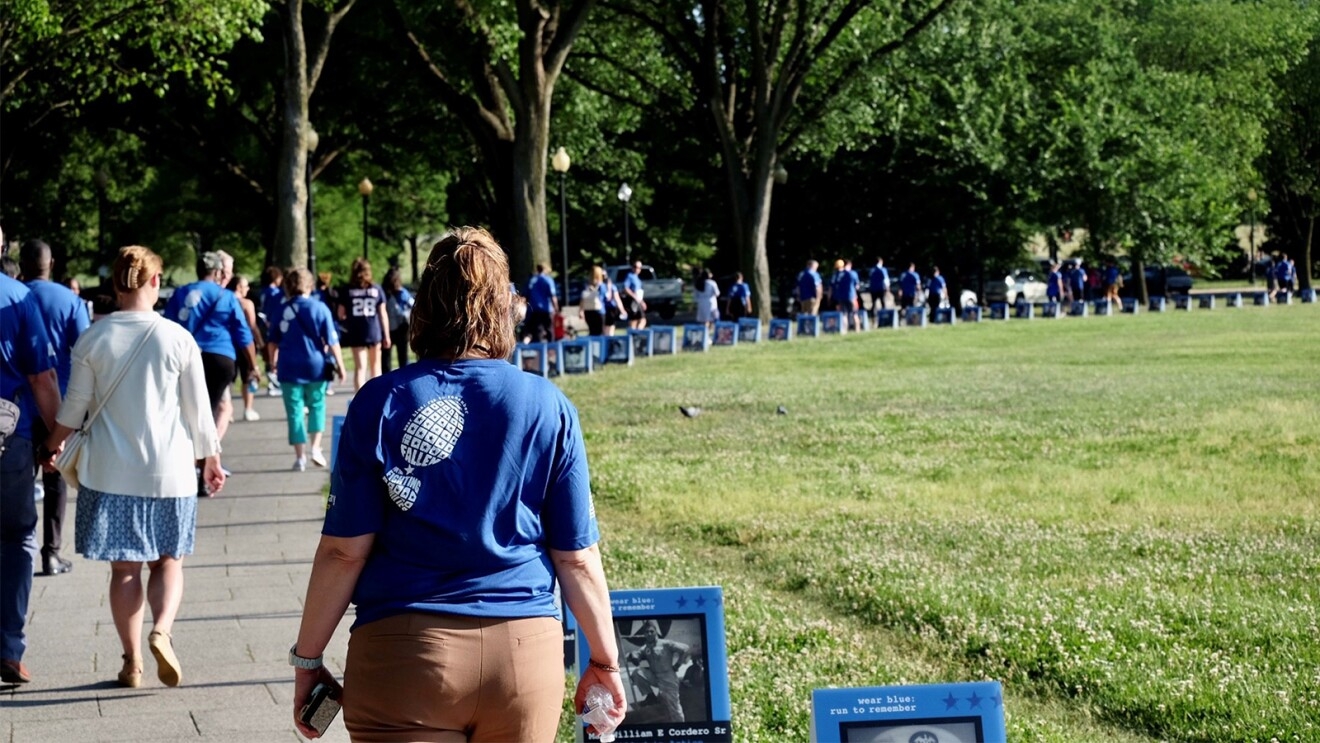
(808, 289)
(1077, 282)
(216, 320)
(542, 304)
(65, 318)
(937, 291)
(880, 294)
(739, 298)
(1284, 273)
(272, 303)
(1054, 284)
(27, 379)
(909, 284)
(845, 293)
(633, 296)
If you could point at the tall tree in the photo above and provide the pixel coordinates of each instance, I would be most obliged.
(302, 71)
(767, 73)
(496, 74)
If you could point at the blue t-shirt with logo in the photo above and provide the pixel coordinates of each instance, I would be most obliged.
(467, 473)
(1111, 275)
(24, 350)
(541, 292)
(362, 309)
(65, 317)
(910, 281)
(739, 292)
(1077, 280)
(633, 282)
(808, 284)
(845, 286)
(213, 315)
(936, 285)
(1284, 271)
(272, 300)
(879, 280)
(302, 329)
(1054, 284)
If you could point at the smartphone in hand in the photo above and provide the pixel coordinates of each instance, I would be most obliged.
(320, 710)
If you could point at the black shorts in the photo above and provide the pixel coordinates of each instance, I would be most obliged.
(219, 373)
(632, 307)
(242, 368)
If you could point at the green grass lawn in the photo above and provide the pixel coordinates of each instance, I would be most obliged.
(1117, 517)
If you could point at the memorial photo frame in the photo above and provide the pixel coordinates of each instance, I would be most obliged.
(781, 330)
(726, 334)
(673, 662)
(663, 340)
(808, 326)
(969, 712)
(641, 342)
(619, 350)
(696, 337)
(577, 356)
(831, 323)
(999, 311)
(886, 317)
(749, 330)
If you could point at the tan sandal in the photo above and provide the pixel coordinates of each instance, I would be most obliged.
(131, 674)
(167, 663)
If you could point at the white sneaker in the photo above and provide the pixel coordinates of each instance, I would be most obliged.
(273, 392)
(329, 390)
(250, 415)
(318, 458)
(300, 465)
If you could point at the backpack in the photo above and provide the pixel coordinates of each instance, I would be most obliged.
(591, 298)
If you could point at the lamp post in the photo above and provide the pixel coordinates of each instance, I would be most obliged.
(365, 189)
(313, 139)
(560, 162)
(1251, 236)
(102, 180)
(625, 195)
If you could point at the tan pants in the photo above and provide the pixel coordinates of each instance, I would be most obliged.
(810, 306)
(434, 678)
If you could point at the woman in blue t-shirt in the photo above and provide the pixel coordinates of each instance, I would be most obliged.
(302, 340)
(460, 496)
(366, 330)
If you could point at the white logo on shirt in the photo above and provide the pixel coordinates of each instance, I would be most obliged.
(428, 438)
(190, 302)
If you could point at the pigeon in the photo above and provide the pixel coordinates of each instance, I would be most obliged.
(781, 410)
(689, 412)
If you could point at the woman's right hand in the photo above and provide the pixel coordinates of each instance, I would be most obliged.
(610, 680)
(303, 684)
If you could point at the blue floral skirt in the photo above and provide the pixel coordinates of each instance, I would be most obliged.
(133, 528)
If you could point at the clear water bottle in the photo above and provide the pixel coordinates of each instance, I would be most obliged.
(252, 386)
(598, 711)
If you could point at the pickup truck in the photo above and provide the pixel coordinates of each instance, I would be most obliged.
(661, 295)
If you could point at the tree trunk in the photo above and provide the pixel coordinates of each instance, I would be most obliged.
(1305, 275)
(291, 175)
(531, 237)
(1139, 276)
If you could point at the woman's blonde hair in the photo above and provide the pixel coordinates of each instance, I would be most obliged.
(297, 281)
(597, 275)
(134, 267)
(359, 277)
(464, 303)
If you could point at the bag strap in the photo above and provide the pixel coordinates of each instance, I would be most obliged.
(119, 378)
(297, 314)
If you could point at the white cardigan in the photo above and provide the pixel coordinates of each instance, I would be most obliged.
(156, 423)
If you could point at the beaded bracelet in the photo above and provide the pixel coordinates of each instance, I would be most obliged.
(602, 666)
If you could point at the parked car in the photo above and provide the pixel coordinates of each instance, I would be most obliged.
(1160, 281)
(662, 296)
(1023, 285)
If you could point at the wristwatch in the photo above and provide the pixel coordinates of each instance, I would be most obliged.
(307, 664)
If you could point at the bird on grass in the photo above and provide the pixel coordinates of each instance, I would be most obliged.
(689, 412)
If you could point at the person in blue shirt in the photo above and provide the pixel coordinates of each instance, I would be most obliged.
(398, 310)
(366, 331)
(879, 285)
(808, 289)
(272, 301)
(302, 339)
(845, 293)
(1077, 282)
(1054, 284)
(1284, 273)
(460, 497)
(27, 380)
(217, 322)
(542, 304)
(634, 297)
(65, 317)
(937, 290)
(1113, 281)
(909, 284)
(739, 298)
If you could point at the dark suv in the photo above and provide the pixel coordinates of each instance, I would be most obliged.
(1161, 281)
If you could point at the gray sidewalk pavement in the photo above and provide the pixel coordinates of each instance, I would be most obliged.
(242, 600)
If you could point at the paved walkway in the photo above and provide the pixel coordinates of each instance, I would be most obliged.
(241, 606)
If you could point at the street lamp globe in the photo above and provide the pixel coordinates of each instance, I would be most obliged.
(313, 139)
(625, 193)
(365, 187)
(560, 160)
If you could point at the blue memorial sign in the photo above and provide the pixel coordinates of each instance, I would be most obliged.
(932, 713)
(1157, 304)
(1283, 297)
(673, 663)
(1024, 311)
(1235, 300)
(945, 316)
(808, 325)
(641, 340)
(726, 334)
(886, 318)
(971, 314)
(1207, 301)
(597, 347)
(1103, 308)
(1182, 302)
(619, 350)
(999, 311)
(749, 330)
(543, 359)
(696, 337)
(914, 317)
(1308, 295)
(1261, 299)
(781, 330)
(1077, 309)
(577, 356)
(832, 323)
(1130, 306)
(1052, 310)
(663, 340)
